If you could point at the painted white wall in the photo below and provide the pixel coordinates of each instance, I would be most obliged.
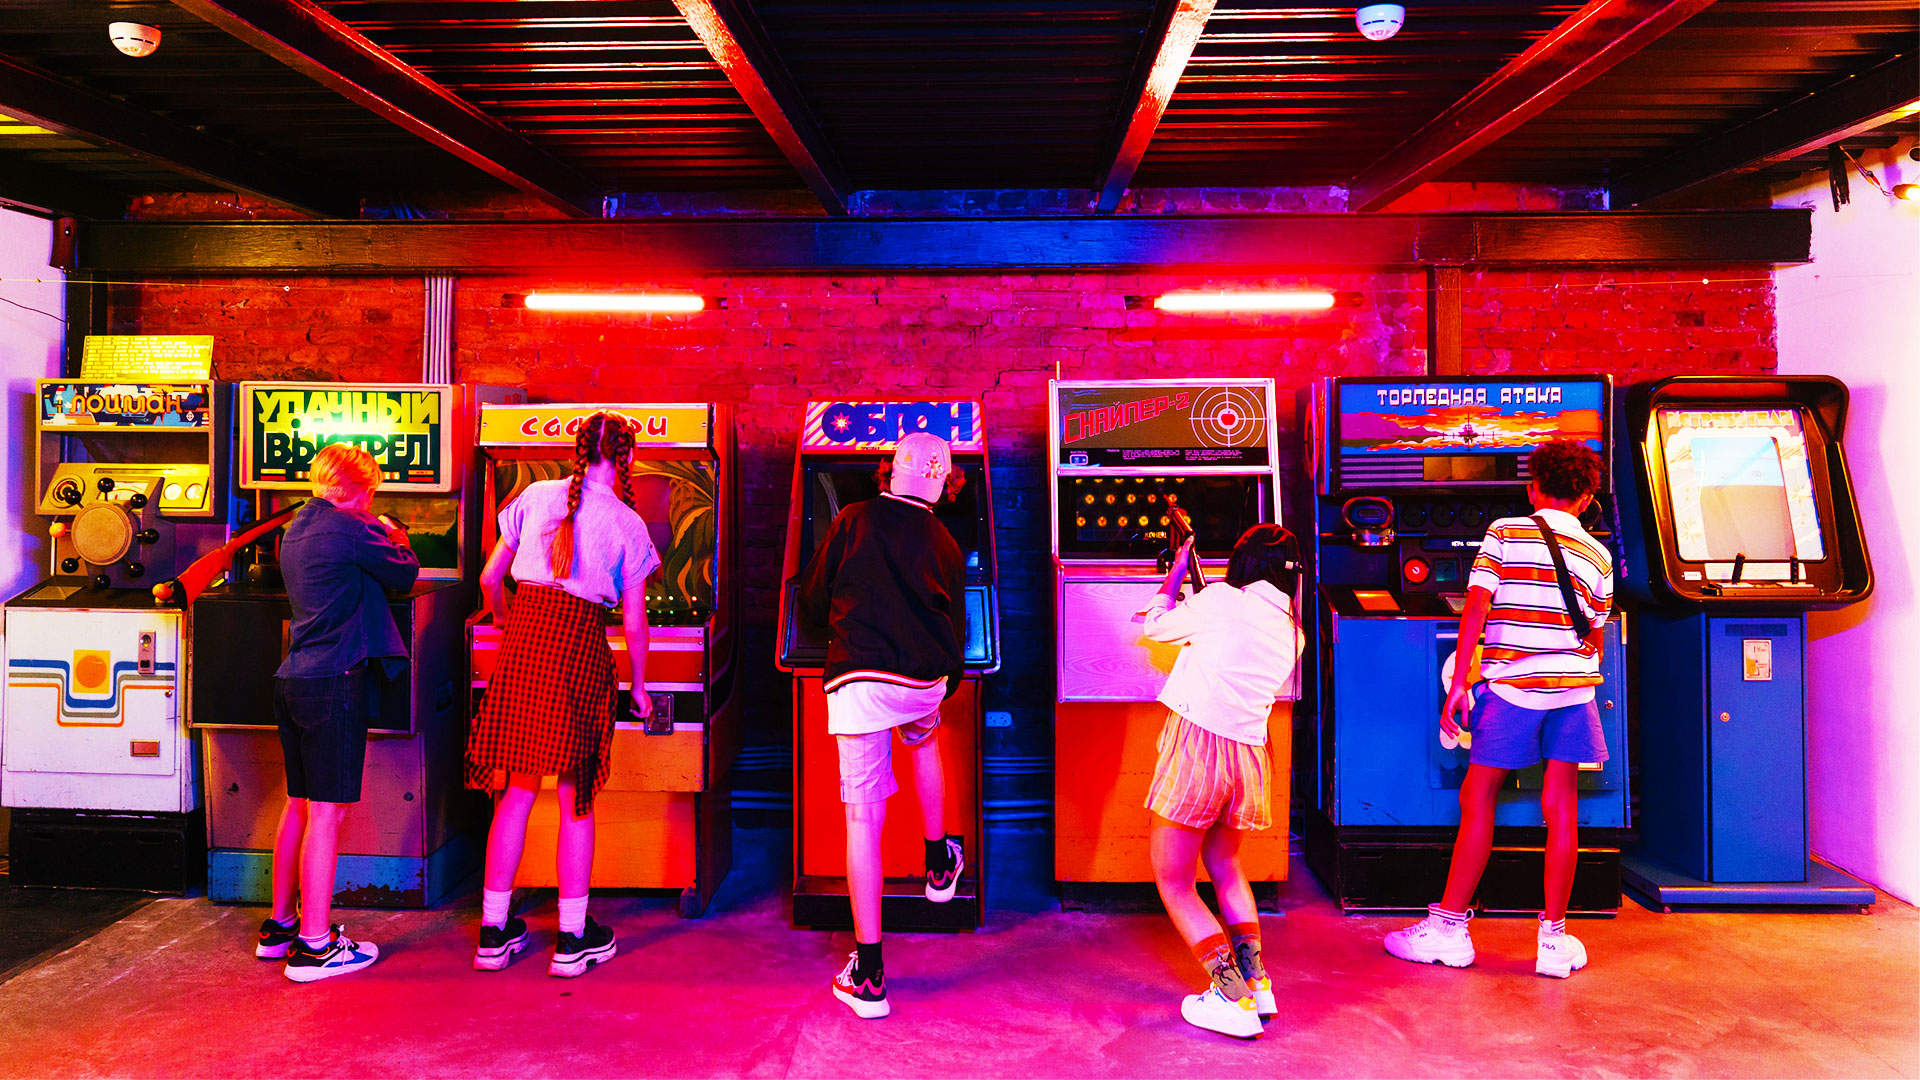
(1854, 313)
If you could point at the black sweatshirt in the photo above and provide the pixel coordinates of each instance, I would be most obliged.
(889, 585)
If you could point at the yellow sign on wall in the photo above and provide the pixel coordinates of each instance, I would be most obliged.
(557, 425)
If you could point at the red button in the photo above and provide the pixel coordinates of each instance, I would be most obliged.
(1417, 570)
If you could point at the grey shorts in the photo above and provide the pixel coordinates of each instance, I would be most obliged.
(866, 761)
(1509, 736)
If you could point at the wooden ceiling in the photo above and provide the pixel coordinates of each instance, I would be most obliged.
(321, 106)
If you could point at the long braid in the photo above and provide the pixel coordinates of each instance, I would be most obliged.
(586, 451)
(620, 435)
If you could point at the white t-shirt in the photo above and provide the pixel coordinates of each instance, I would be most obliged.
(868, 705)
(611, 547)
(1241, 649)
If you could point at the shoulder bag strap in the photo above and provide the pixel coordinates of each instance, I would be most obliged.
(1582, 625)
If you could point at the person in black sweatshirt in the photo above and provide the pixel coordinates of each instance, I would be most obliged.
(888, 584)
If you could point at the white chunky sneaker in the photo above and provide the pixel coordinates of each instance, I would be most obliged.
(1433, 940)
(1557, 955)
(1211, 1010)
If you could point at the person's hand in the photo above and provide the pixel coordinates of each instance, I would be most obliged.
(639, 704)
(398, 538)
(1453, 712)
(1186, 552)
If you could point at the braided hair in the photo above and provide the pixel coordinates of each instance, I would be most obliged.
(606, 436)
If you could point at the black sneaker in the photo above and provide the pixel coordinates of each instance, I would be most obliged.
(340, 956)
(573, 954)
(499, 943)
(941, 884)
(275, 940)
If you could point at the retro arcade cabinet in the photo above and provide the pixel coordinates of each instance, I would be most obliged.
(415, 833)
(1408, 473)
(665, 816)
(1744, 520)
(99, 765)
(842, 447)
(1120, 453)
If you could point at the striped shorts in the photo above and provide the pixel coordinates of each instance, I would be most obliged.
(1203, 779)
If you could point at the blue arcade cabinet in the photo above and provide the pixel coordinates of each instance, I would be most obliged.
(1743, 520)
(1407, 474)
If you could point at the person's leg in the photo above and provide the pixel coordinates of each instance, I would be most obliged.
(1175, 851)
(506, 839)
(865, 878)
(1474, 842)
(930, 782)
(575, 856)
(286, 860)
(319, 848)
(1560, 805)
(1220, 851)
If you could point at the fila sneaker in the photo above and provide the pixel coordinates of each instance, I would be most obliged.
(1557, 955)
(1433, 940)
(1211, 1010)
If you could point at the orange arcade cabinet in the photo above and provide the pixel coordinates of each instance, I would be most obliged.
(842, 448)
(665, 817)
(1120, 453)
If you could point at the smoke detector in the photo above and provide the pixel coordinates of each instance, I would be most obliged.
(1378, 22)
(134, 39)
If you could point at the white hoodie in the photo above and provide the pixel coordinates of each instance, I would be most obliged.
(1241, 649)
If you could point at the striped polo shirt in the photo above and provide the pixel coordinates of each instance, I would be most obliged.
(1531, 654)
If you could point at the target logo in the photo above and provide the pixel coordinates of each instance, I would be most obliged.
(1229, 416)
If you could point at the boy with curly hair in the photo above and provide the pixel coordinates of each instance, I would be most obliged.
(1540, 591)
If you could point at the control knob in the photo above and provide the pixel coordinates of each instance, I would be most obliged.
(101, 581)
(137, 501)
(148, 536)
(136, 569)
(69, 565)
(106, 484)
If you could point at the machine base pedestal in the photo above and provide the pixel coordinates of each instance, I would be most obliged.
(1133, 897)
(361, 881)
(820, 903)
(1669, 887)
(1375, 869)
(104, 849)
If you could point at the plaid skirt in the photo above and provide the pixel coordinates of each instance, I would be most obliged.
(549, 709)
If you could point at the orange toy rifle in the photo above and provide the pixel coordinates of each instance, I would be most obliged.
(195, 578)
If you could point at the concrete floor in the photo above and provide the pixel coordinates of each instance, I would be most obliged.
(173, 990)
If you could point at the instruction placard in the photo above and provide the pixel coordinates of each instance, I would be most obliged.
(147, 356)
(1756, 655)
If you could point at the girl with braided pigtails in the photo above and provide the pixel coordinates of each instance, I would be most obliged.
(575, 548)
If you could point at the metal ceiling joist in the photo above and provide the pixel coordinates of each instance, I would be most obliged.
(33, 95)
(736, 41)
(1861, 103)
(1171, 35)
(1584, 47)
(619, 249)
(306, 38)
(39, 189)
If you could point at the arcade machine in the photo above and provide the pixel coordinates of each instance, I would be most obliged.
(1407, 474)
(415, 833)
(1744, 521)
(1121, 454)
(665, 816)
(99, 766)
(843, 447)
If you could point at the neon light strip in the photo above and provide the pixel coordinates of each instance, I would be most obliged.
(1201, 302)
(652, 303)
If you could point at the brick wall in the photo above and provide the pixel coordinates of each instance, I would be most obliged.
(780, 340)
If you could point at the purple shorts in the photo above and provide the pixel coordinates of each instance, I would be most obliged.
(1509, 736)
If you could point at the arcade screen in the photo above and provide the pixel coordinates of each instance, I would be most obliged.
(676, 499)
(1739, 483)
(433, 526)
(1126, 516)
(1465, 432)
(832, 486)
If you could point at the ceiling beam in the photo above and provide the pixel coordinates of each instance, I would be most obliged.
(1861, 103)
(1584, 47)
(737, 42)
(618, 250)
(1172, 32)
(53, 192)
(38, 97)
(303, 36)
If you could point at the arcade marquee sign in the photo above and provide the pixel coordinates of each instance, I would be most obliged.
(557, 425)
(137, 406)
(1162, 424)
(408, 429)
(880, 425)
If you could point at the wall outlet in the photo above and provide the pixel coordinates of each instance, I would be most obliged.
(999, 719)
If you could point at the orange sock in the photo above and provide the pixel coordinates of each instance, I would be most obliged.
(1246, 949)
(1216, 958)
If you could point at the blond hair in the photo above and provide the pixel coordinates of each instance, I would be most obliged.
(342, 470)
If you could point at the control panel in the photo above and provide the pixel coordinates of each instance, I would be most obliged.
(177, 488)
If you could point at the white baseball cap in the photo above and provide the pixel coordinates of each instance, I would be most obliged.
(920, 466)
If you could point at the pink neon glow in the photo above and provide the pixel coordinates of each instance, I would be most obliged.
(650, 303)
(1305, 300)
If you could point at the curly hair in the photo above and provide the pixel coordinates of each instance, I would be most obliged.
(606, 436)
(1565, 470)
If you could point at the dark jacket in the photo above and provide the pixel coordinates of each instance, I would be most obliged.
(889, 585)
(338, 565)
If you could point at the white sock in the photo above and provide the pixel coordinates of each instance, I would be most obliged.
(1457, 918)
(320, 942)
(1553, 926)
(573, 915)
(495, 907)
